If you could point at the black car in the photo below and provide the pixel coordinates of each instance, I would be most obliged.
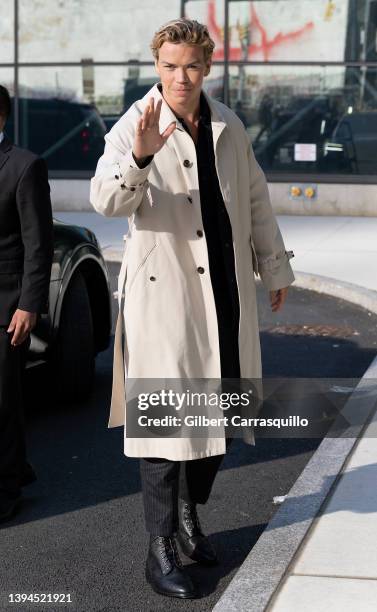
(69, 135)
(110, 120)
(353, 144)
(304, 119)
(78, 324)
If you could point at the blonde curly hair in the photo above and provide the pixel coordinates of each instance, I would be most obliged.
(186, 31)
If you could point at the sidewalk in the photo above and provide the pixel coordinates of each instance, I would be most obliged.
(337, 567)
(319, 552)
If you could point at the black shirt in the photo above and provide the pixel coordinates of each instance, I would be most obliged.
(218, 233)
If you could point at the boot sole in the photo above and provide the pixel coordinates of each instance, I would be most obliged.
(169, 593)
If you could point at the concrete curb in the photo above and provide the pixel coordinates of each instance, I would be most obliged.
(360, 296)
(260, 576)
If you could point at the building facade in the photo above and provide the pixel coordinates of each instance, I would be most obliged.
(301, 75)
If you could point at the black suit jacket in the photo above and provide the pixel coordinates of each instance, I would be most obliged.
(26, 232)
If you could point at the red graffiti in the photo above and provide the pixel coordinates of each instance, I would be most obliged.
(264, 46)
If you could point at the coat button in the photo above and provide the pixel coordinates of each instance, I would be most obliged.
(200, 270)
(152, 278)
(199, 233)
(187, 163)
(189, 199)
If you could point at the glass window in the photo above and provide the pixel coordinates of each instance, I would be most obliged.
(117, 88)
(7, 32)
(309, 119)
(72, 30)
(301, 119)
(213, 84)
(6, 79)
(303, 30)
(58, 118)
(210, 12)
(64, 112)
(361, 44)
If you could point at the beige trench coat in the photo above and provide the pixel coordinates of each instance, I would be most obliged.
(170, 323)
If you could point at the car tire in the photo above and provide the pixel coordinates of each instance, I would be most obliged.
(73, 359)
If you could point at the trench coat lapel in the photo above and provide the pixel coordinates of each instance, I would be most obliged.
(217, 120)
(180, 141)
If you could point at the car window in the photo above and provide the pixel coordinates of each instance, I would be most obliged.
(68, 134)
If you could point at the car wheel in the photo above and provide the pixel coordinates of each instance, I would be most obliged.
(73, 354)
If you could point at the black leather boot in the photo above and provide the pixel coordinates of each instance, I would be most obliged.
(193, 542)
(164, 570)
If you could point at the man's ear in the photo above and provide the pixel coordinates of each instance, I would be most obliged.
(208, 68)
(156, 66)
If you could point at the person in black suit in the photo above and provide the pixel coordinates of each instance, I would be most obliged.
(26, 250)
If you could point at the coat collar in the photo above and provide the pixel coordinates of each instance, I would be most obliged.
(167, 116)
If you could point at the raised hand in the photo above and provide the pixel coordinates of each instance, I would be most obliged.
(148, 139)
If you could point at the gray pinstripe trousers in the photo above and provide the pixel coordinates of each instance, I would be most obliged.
(163, 481)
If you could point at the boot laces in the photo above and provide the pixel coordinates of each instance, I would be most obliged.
(169, 552)
(192, 519)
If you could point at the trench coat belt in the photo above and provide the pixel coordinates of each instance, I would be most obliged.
(118, 393)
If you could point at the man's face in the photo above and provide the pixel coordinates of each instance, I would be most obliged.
(181, 68)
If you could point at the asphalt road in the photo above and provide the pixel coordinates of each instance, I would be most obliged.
(80, 529)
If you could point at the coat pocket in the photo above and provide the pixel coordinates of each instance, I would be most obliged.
(139, 267)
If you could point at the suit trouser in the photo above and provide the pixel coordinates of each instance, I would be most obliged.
(12, 435)
(163, 481)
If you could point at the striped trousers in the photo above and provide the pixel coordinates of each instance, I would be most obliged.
(163, 481)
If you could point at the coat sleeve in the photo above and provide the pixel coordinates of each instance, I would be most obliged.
(34, 210)
(272, 258)
(118, 186)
